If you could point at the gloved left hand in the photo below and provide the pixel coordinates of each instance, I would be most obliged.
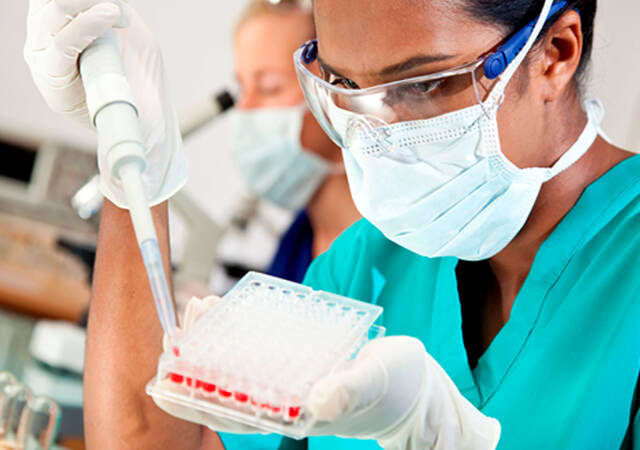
(393, 392)
(58, 31)
(396, 393)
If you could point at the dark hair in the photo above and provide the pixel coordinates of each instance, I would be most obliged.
(514, 14)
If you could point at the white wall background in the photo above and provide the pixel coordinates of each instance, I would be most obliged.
(196, 41)
(616, 69)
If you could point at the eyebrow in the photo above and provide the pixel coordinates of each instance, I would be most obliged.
(395, 69)
(413, 62)
(327, 68)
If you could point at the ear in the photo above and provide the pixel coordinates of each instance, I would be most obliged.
(562, 54)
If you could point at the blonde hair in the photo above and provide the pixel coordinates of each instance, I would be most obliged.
(257, 8)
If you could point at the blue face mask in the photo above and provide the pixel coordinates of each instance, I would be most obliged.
(271, 158)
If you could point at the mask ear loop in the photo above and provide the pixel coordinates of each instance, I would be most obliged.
(487, 111)
(477, 92)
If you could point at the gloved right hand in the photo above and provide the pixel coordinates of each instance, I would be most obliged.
(58, 31)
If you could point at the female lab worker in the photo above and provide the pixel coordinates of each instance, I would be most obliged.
(279, 147)
(500, 234)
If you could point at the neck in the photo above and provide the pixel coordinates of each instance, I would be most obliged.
(331, 211)
(556, 198)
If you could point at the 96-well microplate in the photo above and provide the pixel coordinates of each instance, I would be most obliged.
(254, 356)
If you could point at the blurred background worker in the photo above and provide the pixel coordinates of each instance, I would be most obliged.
(280, 149)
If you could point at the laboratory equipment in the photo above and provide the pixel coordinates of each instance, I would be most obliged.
(6, 379)
(26, 422)
(254, 356)
(113, 112)
(14, 399)
(41, 423)
(204, 112)
(59, 344)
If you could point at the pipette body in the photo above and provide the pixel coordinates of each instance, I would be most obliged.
(113, 112)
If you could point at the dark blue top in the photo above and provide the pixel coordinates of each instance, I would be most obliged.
(295, 252)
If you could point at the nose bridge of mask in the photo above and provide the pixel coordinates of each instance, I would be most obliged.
(371, 129)
(373, 134)
(404, 142)
(429, 138)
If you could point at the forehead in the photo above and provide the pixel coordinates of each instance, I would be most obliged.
(269, 40)
(360, 37)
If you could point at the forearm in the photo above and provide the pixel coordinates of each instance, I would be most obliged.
(123, 344)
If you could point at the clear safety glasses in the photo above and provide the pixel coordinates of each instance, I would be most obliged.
(342, 111)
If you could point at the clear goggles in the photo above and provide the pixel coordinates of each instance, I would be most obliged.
(343, 111)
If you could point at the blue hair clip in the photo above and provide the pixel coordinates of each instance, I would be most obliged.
(310, 51)
(498, 62)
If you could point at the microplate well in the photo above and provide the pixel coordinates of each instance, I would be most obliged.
(255, 354)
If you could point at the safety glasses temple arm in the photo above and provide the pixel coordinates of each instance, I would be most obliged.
(497, 63)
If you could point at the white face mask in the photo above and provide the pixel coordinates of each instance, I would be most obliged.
(446, 188)
(451, 196)
(271, 158)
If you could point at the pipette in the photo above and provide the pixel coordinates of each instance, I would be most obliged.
(114, 114)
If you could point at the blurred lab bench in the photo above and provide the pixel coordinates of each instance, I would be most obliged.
(37, 276)
(41, 273)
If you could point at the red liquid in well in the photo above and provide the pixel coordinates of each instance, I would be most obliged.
(294, 412)
(224, 393)
(198, 384)
(275, 409)
(176, 351)
(208, 387)
(189, 381)
(176, 378)
(241, 397)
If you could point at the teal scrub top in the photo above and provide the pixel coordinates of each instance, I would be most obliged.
(561, 373)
